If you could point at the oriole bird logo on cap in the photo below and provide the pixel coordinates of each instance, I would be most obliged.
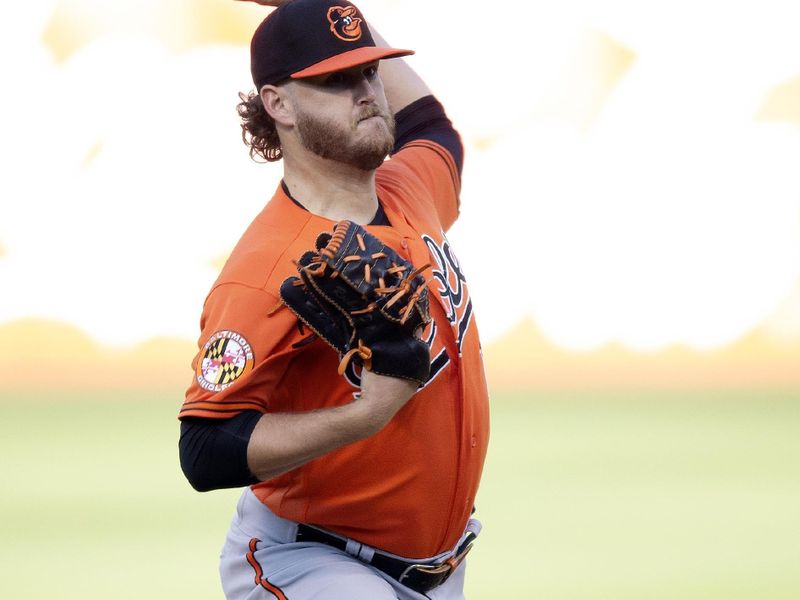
(345, 25)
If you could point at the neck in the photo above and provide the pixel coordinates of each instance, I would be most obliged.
(331, 189)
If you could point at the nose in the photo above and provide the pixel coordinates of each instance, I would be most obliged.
(365, 91)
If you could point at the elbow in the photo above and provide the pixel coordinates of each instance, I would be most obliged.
(193, 448)
(211, 460)
(193, 470)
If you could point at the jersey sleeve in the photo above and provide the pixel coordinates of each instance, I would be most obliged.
(429, 146)
(244, 350)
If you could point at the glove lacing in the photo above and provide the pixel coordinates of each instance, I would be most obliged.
(317, 267)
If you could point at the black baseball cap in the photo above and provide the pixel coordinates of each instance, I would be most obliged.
(303, 38)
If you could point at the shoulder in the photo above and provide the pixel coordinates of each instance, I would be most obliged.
(263, 256)
(427, 163)
(422, 179)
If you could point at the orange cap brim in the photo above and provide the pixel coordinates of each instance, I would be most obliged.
(351, 58)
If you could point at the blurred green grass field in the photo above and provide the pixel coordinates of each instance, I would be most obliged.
(585, 496)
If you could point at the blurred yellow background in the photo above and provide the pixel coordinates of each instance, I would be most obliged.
(630, 231)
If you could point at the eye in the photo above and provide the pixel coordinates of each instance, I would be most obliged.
(335, 79)
(371, 72)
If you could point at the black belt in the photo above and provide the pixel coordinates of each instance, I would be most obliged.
(419, 577)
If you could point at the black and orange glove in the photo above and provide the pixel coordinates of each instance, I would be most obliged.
(365, 301)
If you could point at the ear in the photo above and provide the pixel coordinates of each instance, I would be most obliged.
(277, 102)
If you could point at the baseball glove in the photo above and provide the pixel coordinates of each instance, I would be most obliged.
(364, 300)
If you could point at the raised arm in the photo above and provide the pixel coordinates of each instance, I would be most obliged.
(400, 82)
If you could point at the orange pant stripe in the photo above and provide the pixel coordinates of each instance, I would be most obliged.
(260, 579)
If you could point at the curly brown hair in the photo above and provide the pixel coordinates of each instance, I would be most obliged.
(258, 128)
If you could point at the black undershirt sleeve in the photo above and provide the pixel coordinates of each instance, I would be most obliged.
(425, 119)
(213, 452)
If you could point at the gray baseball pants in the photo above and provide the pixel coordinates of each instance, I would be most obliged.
(262, 561)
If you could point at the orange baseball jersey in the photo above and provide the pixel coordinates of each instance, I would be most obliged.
(410, 488)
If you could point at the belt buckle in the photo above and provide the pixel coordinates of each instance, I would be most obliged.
(444, 570)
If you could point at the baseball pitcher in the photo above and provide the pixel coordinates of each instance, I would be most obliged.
(338, 377)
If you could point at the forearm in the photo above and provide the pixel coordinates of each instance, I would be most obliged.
(400, 82)
(284, 441)
(252, 446)
(281, 442)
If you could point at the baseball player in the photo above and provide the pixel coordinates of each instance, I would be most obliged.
(357, 486)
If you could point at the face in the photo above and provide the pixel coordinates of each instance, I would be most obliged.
(344, 116)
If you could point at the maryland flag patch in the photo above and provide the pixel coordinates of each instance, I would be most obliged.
(225, 358)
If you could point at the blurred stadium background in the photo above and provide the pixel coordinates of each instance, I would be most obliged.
(630, 231)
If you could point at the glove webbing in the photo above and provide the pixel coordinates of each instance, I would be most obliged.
(332, 247)
(318, 267)
(315, 264)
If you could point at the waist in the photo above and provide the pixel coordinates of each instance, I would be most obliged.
(341, 491)
(419, 575)
(381, 525)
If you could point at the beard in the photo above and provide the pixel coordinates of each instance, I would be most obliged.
(331, 140)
